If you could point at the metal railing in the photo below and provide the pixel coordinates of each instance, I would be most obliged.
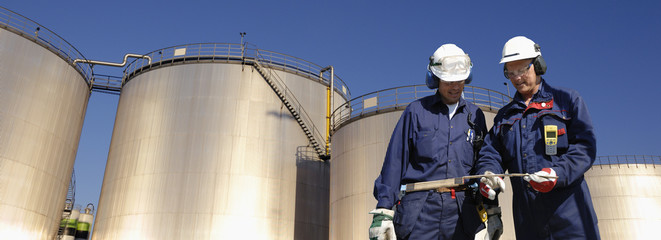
(229, 52)
(399, 97)
(106, 83)
(628, 159)
(43, 36)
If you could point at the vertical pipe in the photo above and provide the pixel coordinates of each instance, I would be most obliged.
(329, 106)
(332, 99)
(328, 112)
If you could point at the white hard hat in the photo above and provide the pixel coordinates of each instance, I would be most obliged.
(518, 48)
(450, 63)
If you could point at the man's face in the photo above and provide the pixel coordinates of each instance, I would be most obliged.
(523, 77)
(450, 91)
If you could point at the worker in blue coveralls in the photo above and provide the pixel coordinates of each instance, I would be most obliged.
(546, 131)
(433, 140)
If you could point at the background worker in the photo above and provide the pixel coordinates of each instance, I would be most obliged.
(433, 140)
(547, 131)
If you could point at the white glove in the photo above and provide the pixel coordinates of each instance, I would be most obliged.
(542, 181)
(489, 184)
(494, 224)
(382, 227)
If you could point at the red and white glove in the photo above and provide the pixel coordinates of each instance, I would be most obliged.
(542, 181)
(489, 184)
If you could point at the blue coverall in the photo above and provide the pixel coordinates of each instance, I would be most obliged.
(516, 144)
(427, 146)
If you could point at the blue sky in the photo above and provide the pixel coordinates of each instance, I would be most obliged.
(607, 50)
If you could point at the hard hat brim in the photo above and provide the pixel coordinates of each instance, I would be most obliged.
(451, 77)
(517, 56)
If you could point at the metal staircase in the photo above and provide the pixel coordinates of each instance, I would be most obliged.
(292, 104)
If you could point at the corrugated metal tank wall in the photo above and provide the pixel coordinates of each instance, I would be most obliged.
(359, 147)
(208, 151)
(627, 199)
(358, 152)
(42, 105)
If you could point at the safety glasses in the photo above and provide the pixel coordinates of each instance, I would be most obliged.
(517, 73)
(453, 65)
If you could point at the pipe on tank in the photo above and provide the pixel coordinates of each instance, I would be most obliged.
(329, 106)
(113, 64)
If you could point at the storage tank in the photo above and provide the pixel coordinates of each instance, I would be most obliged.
(204, 148)
(43, 98)
(626, 194)
(362, 130)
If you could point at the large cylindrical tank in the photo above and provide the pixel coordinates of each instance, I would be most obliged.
(627, 199)
(43, 98)
(203, 148)
(362, 132)
(625, 194)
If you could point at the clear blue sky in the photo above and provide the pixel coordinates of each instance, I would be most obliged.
(607, 50)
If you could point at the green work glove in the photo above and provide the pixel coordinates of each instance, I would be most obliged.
(382, 227)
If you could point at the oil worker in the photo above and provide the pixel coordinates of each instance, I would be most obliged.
(546, 131)
(433, 140)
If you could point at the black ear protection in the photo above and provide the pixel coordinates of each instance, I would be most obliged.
(538, 63)
(432, 80)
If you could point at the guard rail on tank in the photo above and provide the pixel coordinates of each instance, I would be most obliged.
(628, 159)
(398, 98)
(232, 53)
(29, 29)
(106, 83)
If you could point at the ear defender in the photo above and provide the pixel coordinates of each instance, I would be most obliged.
(505, 71)
(431, 80)
(539, 63)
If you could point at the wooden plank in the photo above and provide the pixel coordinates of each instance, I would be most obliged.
(456, 182)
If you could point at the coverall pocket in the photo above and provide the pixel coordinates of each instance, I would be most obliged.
(557, 120)
(426, 145)
(408, 211)
(508, 138)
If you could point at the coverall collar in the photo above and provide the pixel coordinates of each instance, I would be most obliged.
(437, 100)
(542, 99)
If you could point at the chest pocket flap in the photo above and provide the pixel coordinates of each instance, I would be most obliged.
(559, 119)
